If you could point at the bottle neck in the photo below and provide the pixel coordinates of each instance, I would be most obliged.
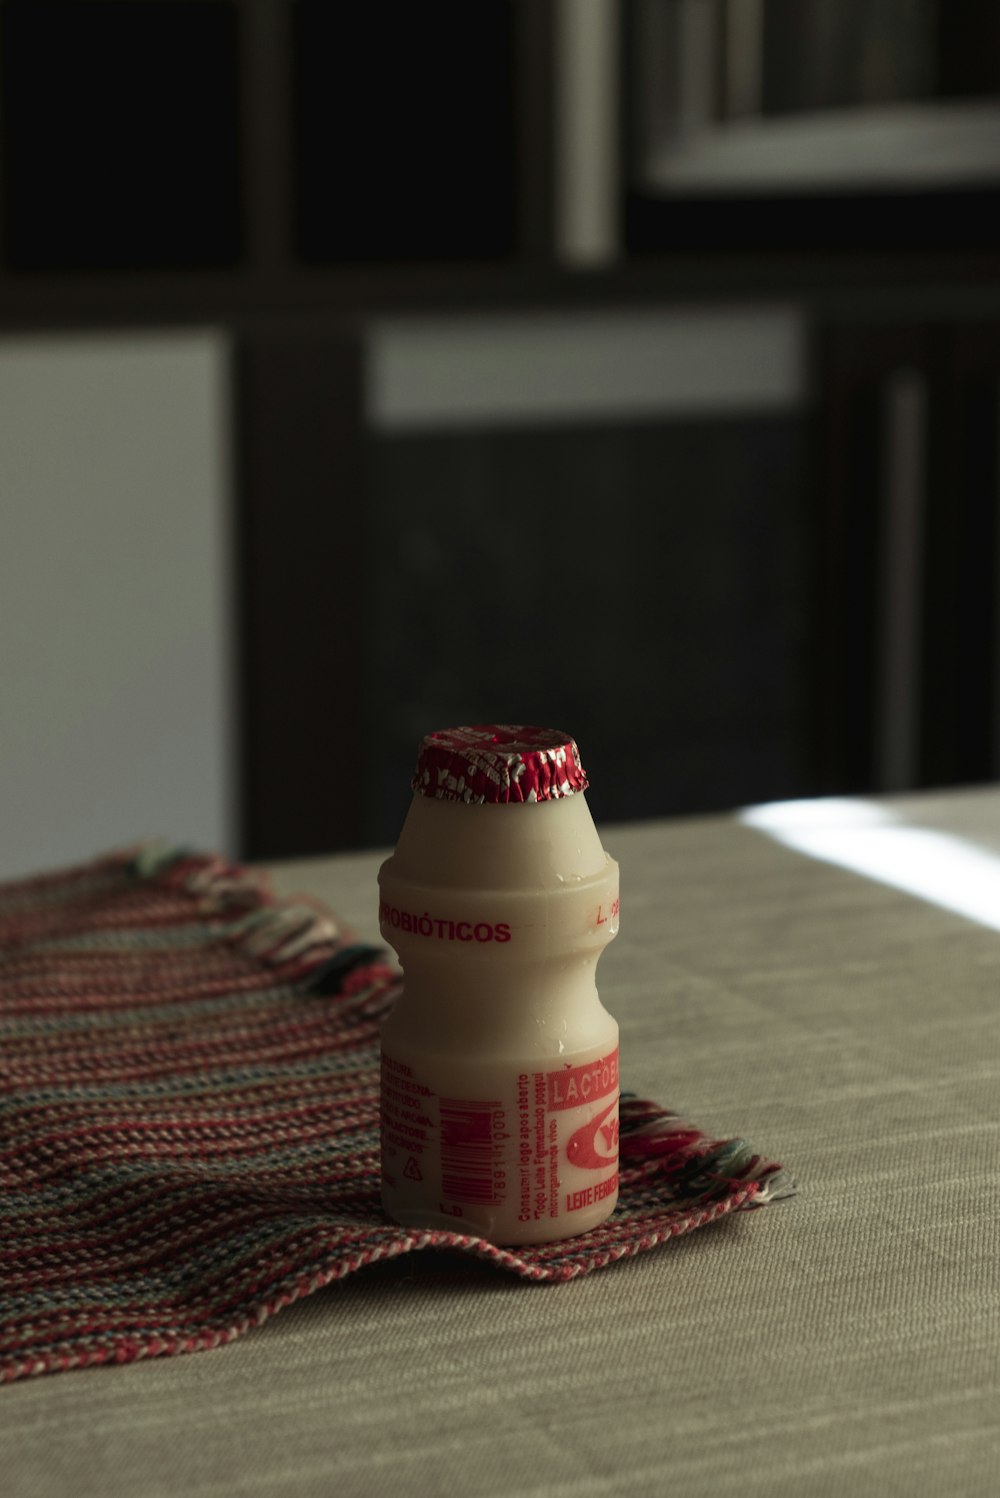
(513, 846)
(499, 914)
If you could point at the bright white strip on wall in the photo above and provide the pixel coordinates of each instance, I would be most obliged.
(868, 839)
(586, 132)
(450, 372)
(115, 595)
(890, 146)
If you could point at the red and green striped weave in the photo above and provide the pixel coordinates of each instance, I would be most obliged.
(188, 1118)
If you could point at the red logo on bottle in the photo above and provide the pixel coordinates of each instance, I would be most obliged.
(582, 1151)
(575, 1085)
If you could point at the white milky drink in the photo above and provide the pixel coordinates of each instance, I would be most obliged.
(499, 1062)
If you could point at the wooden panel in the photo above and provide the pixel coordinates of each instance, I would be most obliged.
(856, 361)
(960, 653)
(305, 581)
(954, 643)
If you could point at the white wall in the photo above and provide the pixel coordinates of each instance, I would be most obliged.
(491, 369)
(116, 695)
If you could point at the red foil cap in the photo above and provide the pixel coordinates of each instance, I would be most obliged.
(499, 762)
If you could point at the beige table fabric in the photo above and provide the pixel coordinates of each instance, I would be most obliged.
(847, 1341)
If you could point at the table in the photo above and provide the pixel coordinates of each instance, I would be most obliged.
(845, 1341)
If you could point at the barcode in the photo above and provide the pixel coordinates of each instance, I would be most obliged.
(467, 1160)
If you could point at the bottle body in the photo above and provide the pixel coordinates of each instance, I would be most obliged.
(499, 1062)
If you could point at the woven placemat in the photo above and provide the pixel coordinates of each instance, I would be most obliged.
(189, 1115)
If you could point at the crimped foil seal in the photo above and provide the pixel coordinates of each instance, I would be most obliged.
(499, 763)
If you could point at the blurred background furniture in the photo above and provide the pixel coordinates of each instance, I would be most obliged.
(633, 367)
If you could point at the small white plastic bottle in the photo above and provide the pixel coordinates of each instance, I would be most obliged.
(499, 1062)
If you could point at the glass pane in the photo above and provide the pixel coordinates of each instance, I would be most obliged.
(119, 127)
(401, 154)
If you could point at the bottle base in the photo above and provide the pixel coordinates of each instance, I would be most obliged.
(476, 1223)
